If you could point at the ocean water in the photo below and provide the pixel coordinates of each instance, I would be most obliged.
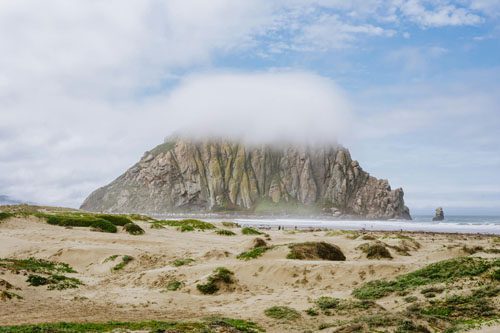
(451, 224)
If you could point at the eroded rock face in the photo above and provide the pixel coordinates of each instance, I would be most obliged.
(218, 175)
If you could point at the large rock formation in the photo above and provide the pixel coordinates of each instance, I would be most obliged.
(218, 175)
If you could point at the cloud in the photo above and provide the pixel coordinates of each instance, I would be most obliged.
(86, 85)
(415, 59)
(261, 107)
(439, 14)
(330, 32)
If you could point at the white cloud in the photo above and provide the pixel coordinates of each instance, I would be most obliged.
(330, 32)
(83, 83)
(415, 59)
(440, 13)
(262, 107)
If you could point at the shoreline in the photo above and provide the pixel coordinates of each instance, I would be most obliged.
(440, 227)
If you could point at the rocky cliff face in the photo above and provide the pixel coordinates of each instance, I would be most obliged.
(218, 175)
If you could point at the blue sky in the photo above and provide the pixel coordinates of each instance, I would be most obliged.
(87, 86)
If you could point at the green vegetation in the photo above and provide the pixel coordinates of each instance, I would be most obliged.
(375, 251)
(140, 217)
(133, 229)
(48, 272)
(35, 266)
(53, 281)
(313, 312)
(119, 220)
(221, 275)
(80, 221)
(182, 262)
(282, 312)
(5, 215)
(125, 260)
(350, 234)
(161, 148)
(442, 271)
(183, 225)
(211, 325)
(7, 295)
(110, 258)
(250, 231)
(326, 302)
(410, 299)
(230, 224)
(253, 253)
(462, 311)
(174, 285)
(315, 251)
(224, 232)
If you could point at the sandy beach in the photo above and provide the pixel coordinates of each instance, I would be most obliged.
(140, 292)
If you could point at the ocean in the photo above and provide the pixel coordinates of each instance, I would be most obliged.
(451, 224)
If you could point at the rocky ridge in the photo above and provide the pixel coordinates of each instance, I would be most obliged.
(183, 175)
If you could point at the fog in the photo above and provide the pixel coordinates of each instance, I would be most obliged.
(259, 107)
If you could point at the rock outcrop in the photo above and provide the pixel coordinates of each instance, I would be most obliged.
(439, 216)
(182, 175)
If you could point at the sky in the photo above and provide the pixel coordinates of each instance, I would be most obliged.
(411, 87)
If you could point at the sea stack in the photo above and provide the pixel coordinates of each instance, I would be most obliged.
(439, 216)
(184, 175)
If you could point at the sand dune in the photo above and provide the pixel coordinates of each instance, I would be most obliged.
(139, 290)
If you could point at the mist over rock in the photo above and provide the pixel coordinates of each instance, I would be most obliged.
(183, 175)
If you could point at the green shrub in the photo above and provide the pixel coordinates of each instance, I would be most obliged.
(313, 312)
(54, 282)
(119, 220)
(80, 221)
(182, 262)
(104, 226)
(250, 231)
(35, 265)
(407, 326)
(224, 232)
(208, 325)
(253, 253)
(410, 299)
(140, 217)
(174, 285)
(315, 251)
(5, 215)
(439, 272)
(220, 275)
(37, 280)
(375, 251)
(327, 303)
(282, 312)
(125, 260)
(133, 229)
(495, 275)
(185, 225)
